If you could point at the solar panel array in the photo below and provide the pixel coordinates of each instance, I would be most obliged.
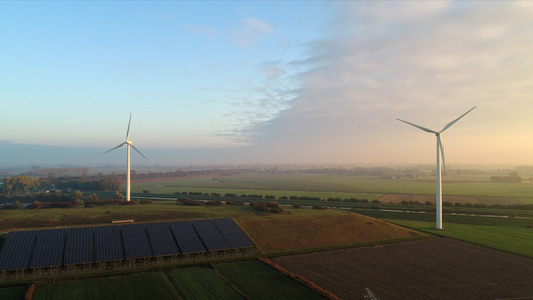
(79, 246)
(232, 233)
(17, 249)
(187, 238)
(85, 245)
(210, 235)
(48, 249)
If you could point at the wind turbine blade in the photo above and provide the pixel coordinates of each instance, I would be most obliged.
(453, 122)
(138, 151)
(114, 148)
(128, 132)
(441, 149)
(419, 127)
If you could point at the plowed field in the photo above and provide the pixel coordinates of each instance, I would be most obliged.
(437, 268)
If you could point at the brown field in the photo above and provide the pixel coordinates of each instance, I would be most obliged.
(487, 200)
(436, 268)
(321, 231)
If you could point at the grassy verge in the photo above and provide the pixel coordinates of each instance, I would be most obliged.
(510, 239)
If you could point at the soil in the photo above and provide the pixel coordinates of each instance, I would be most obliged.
(323, 231)
(436, 268)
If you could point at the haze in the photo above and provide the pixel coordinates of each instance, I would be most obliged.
(265, 81)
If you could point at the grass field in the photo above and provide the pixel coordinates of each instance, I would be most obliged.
(257, 280)
(13, 293)
(510, 239)
(202, 283)
(345, 187)
(138, 286)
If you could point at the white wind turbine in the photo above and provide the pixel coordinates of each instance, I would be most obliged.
(130, 144)
(440, 150)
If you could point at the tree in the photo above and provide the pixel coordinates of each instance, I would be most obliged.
(119, 196)
(19, 184)
(77, 195)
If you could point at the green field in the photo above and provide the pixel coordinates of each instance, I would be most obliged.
(13, 293)
(202, 283)
(257, 280)
(506, 238)
(138, 286)
(341, 186)
(245, 280)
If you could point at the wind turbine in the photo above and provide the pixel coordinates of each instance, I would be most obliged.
(440, 150)
(129, 144)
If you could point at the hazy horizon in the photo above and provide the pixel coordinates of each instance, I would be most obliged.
(269, 82)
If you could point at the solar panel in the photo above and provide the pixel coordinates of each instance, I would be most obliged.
(48, 248)
(17, 250)
(135, 241)
(161, 239)
(210, 235)
(107, 244)
(186, 237)
(79, 246)
(233, 233)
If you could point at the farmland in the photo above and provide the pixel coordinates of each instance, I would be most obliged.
(438, 268)
(506, 238)
(336, 250)
(139, 286)
(202, 283)
(263, 282)
(339, 186)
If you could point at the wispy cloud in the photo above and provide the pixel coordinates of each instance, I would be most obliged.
(250, 31)
(201, 29)
(425, 61)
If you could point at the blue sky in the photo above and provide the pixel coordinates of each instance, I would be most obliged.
(265, 81)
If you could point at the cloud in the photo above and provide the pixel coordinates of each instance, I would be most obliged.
(201, 29)
(427, 63)
(250, 31)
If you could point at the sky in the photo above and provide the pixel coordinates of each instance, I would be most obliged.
(265, 82)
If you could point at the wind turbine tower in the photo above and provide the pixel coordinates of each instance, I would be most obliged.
(129, 144)
(440, 163)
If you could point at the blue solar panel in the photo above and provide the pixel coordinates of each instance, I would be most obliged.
(17, 250)
(211, 237)
(48, 249)
(79, 246)
(161, 239)
(107, 244)
(135, 240)
(233, 233)
(186, 237)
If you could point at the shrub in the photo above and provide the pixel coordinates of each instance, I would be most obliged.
(297, 206)
(214, 203)
(146, 192)
(146, 201)
(272, 204)
(447, 204)
(319, 207)
(276, 210)
(376, 201)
